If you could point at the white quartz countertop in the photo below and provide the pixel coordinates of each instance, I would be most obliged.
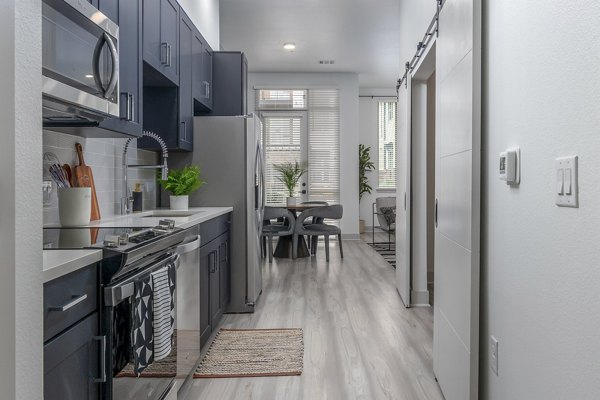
(61, 262)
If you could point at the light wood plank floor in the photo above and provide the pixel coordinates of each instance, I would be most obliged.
(359, 340)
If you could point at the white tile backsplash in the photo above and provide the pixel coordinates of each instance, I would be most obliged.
(104, 156)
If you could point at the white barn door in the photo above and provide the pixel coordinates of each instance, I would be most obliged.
(457, 188)
(403, 175)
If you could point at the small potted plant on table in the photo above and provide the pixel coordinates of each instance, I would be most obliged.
(181, 183)
(290, 175)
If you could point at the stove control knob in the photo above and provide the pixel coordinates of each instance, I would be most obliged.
(111, 241)
(166, 224)
(123, 238)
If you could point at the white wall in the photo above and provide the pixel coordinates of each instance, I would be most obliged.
(540, 274)
(105, 157)
(21, 365)
(367, 119)
(347, 83)
(205, 15)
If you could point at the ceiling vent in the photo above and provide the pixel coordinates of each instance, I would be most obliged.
(326, 62)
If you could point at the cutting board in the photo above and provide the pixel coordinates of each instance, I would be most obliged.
(83, 178)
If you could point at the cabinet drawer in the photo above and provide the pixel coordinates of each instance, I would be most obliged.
(71, 362)
(68, 299)
(210, 230)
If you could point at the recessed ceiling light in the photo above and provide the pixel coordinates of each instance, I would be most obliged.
(326, 62)
(89, 76)
(289, 46)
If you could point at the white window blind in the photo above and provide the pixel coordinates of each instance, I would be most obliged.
(324, 145)
(280, 99)
(386, 127)
(281, 142)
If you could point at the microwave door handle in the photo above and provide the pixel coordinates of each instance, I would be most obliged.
(114, 76)
(96, 63)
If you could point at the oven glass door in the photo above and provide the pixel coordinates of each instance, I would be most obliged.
(129, 326)
(80, 53)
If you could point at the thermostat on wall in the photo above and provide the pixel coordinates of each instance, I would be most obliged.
(509, 167)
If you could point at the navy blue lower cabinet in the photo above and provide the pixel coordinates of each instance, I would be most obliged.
(71, 362)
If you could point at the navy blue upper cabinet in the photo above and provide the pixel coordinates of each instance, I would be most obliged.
(128, 15)
(230, 77)
(186, 102)
(202, 74)
(161, 37)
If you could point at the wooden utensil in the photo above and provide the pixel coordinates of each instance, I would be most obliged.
(69, 173)
(84, 178)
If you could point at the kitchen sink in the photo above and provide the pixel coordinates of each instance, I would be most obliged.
(172, 213)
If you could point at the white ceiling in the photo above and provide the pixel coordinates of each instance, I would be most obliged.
(360, 35)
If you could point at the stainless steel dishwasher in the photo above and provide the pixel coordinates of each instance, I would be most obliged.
(188, 305)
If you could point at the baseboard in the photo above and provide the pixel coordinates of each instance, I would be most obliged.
(350, 236)
(419, 298)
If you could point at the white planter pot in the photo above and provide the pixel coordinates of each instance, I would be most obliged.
(291, 201)
(179, 202)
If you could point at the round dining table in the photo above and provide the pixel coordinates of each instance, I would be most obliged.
(284, 243)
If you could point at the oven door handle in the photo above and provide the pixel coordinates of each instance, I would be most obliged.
(116, 294)
(189, 246)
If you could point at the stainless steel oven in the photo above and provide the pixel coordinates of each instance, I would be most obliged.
(80, 62)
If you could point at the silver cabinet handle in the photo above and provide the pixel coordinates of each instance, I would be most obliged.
(189, 247)
(184, 135)
(131, 102)
(102, 340)
(168, 55)
(76, 300)
(114, 75)
(435, 213)
(164, 45)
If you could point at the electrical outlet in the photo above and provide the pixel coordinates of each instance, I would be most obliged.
(494, 355)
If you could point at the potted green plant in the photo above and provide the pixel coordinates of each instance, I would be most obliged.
(290, 175)
(181, 183)
(364, 165)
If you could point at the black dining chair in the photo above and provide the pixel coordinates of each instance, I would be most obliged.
(270, 230)
(314, 230)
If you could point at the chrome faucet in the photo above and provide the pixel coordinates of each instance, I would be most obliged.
(126, 197)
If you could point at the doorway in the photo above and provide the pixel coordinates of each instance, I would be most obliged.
(285, 139)
(422, 181)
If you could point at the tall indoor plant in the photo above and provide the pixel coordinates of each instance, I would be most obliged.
(364, 165)
(290, 175)
(181, 183)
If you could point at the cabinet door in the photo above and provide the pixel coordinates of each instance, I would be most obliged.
(205, 264)
(128, 14)
(154, 53)
(224, 271)
(186, 102)
(216, 309)
(198, 86)
(71, 362)
(207, 72)
(169, 32)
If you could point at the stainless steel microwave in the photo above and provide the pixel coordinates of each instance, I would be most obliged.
(80, 62)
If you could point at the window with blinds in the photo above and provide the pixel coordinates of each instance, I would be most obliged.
(386, 128)
(281, 144)
(324, 145)
(280, 100)
(283, 141)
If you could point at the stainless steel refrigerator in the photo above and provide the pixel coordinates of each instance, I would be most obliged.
(229, 154)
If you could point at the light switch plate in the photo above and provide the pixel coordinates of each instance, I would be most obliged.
(567, 179)
(494, 355)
